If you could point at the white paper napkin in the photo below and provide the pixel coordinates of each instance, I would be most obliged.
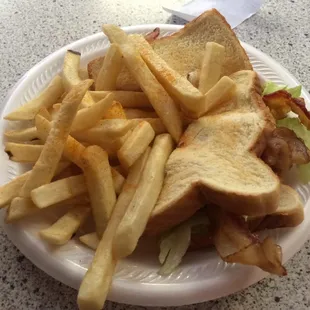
(235, 11)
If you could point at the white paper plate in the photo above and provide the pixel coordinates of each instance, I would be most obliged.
(202, 275)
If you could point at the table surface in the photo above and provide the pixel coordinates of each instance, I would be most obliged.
(31, 30)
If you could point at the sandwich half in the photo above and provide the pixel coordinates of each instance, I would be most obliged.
(216, 162)
(184, 50)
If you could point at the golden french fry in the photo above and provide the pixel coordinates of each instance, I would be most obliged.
(108, 143)
(97, 281)
(72, 149)
(193, 103)
(71, 77)
(91, 240)
(162, 103)
(116, 111)
(24, 153)
(222, 91)
(128, 99)
(138, 113)
(24, 207)
(138, 212)
(83, 74)
(63, 229)
(52, 193)
(70, 70)
(44, 169)
(107, 128)
(9, 190)
(19, 208)
(110, 69)
(211, 67)
(22, 135)
(136, 144)
(100, 186)
(67, 188)
(87, 117)
(46, 99)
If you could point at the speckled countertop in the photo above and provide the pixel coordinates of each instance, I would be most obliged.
(31, 30)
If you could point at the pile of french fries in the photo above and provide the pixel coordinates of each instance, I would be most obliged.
(101, 152)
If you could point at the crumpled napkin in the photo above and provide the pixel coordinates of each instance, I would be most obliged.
(235, 11)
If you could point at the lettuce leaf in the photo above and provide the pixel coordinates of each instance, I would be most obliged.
(295, 91)
(301, 132)
(174, 243)
(271, 87)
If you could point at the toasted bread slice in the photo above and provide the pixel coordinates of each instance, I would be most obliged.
(290, 212)
(184, 50)
(215, 162)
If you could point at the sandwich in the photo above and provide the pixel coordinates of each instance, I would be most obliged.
(184, 50)
(216, 162)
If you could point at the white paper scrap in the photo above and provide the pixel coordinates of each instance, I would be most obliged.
(235, 11)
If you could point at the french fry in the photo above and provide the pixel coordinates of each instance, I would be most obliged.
(100, 186)
(19, 208)
(138, 113)
(72, 149)
(87, 117)
(46, 99)
(24, 207)
(24, 153)
(138, 212)
(22, 135)
(63, 229)
(211, 67)
(67, 188)
(91, 240)
(70, 70)
(222, 91)
(162, 103)
(193, 103)
(71, 77)
(136, 144)
(107, 128)
(9, 190)
(96, 283)
(110, 69)
(44, 169)
(109, 144)
(61, 190)
(128, 99)
(116, 111)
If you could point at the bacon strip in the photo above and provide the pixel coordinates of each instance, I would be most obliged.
(236, 244)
